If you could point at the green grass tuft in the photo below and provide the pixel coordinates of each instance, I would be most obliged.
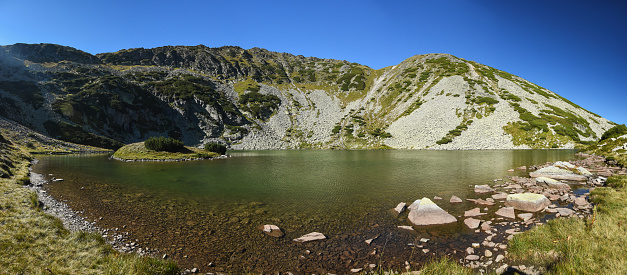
(580, 246)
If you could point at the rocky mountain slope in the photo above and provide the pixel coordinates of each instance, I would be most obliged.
(257, 99)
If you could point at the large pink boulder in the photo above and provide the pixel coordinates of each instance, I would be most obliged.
(429, 213)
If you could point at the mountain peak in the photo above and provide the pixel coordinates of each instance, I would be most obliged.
(259, 99)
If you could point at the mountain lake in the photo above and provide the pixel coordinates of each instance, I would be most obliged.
(207, 214)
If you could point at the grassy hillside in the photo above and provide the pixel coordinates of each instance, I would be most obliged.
(33, 242)
(613, 145)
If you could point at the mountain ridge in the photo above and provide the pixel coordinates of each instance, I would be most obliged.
(258, 99)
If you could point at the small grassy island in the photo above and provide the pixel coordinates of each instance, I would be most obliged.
(164, 149)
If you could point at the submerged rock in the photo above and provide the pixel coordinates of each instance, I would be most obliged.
(406, 227)
(313, 236)
(473, 212)
(272, 230)
(480, 189)
(455, 199)
(506, 212)
(528, 202)
(472, 223)
(400, 208)
(428, 213)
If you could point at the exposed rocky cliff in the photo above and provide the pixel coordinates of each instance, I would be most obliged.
(257, 99)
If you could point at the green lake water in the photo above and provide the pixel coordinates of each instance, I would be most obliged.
(210, 211)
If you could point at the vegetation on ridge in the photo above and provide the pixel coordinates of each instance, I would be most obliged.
(138, 151)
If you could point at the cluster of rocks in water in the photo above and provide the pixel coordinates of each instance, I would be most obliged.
(513, 206)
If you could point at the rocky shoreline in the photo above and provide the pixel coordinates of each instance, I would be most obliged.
(168, 160)
(522, 203)
(74, 222)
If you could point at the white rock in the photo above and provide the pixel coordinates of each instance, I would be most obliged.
(313, 236)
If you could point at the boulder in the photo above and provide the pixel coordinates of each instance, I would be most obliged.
(272, 230)
(413, 205)
(584, 171)
(428, 213)
(481, 189)
(557, 173)
(313, 236)
(528, 202)
(436, 198)
(564, 212)
(525, 216)
(455, 199)
(581, 201)
(500, 196)
(551, 183)
(400, 208)
(550, 210)
(472, 223)
(506, 212)
(472, 257)
(564, 165)
(473, 212)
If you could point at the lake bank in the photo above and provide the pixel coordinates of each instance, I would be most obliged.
(244, 223)
(35, 242)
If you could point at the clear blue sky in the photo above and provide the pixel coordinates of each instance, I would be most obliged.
(577, 49)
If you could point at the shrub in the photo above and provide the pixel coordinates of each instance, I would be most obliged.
(444, 140)
(216, 148)
(615, 131)
(380, 133)
(163, 144)
(487, 100)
